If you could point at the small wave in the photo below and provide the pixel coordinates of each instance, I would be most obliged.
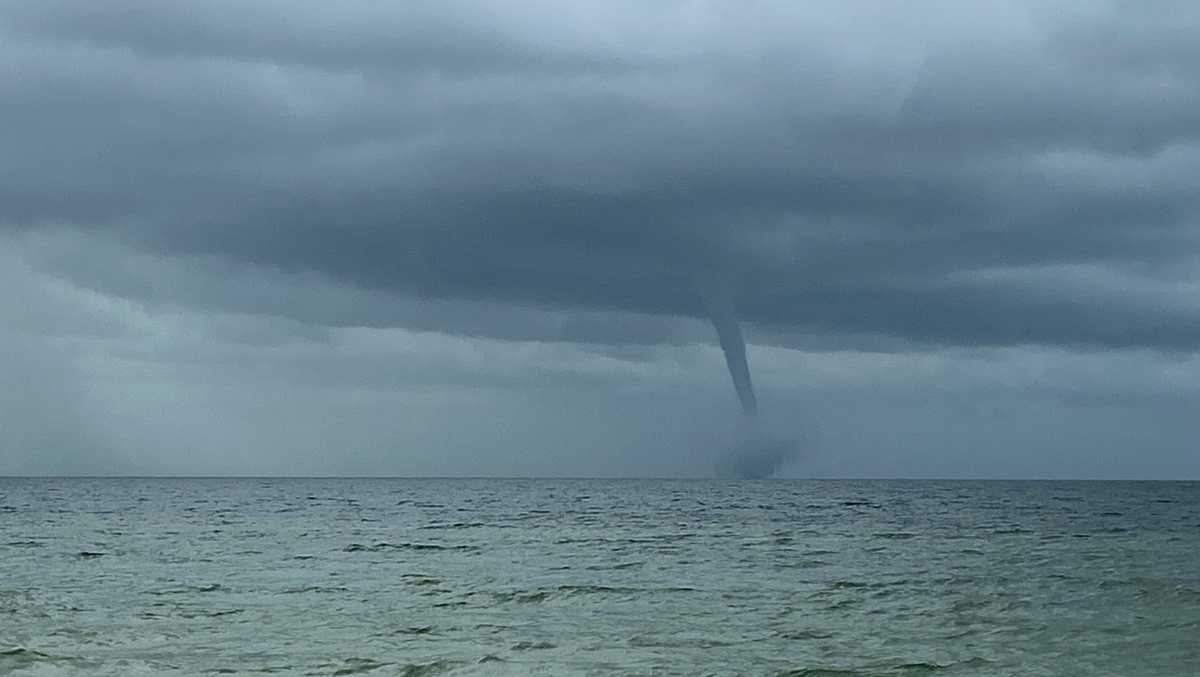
(90, 554)
(356, 666)
(188, 589)
(211, 614)
(900, 670)
(653, 641)
(801, 564)
(20, 658)
(24, 544)
(917, 668)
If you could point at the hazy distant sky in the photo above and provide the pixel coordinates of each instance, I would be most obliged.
(451, 237)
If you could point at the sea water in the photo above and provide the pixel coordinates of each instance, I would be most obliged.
(598, 577)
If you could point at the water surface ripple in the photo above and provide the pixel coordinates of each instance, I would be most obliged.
(598, 577)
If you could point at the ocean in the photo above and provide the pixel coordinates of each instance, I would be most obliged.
(598, 577)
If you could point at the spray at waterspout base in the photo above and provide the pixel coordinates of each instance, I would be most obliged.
(757, 454)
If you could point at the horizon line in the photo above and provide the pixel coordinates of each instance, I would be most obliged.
(594, 478)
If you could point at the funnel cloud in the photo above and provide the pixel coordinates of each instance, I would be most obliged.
(757, 454)
(718, 299)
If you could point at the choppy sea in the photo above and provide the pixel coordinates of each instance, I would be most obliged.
(598, 577)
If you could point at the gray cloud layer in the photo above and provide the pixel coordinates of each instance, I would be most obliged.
(882, 172)
(929, 176)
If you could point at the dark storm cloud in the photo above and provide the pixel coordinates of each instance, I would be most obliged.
(933, 174)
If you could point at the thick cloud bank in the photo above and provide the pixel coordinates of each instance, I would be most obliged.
(897, 177)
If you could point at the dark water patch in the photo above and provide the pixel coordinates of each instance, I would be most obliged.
(415, 630)
(819, 672)
(539, 595)
(678, 642)
(655, 539)
(220, 613)
(420, 579)
(415, 547)
(604, 589)
(616, 567)
(315, 589)
(580, 541)
(535, 597)
(425, 669)
(899, 670)
(532, 646)
(806, 635)
(849, 585)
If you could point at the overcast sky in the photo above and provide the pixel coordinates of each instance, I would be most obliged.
(466, 238)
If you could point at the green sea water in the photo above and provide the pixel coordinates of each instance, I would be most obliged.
(598, 577)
